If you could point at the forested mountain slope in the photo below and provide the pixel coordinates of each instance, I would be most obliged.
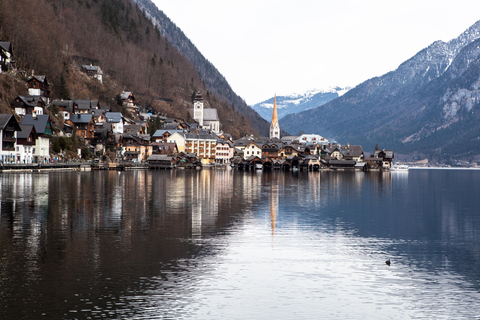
(55, 37)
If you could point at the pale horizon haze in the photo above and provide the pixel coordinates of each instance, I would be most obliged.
(267, 47)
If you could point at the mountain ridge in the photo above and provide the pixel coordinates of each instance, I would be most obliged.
(298, 102)
(402, 109)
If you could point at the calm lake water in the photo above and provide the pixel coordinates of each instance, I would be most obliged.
(235, 245)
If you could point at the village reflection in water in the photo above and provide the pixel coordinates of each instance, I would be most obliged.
(73, 241)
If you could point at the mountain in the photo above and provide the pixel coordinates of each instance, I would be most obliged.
(213, 79)
(430, 105)
(56, 37)
(297, 102)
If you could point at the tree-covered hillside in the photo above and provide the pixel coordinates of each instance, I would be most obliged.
(55, 37)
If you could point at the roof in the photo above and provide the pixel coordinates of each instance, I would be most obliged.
(86, 104)
(160, 133)
(40, 122)
(222, 141)
(5, 119)
(113, 117)
(7, 46)
(63, 103)
(160, 157)
(201, 136)
(210, 115)
(92, 68)
(125, 94)
(25, 132)
(30, 101)
(81, 118)
(39, 78)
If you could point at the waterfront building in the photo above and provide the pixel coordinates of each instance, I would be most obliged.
(202, 144)
(44, 133)
(224, 151)
(8, 137)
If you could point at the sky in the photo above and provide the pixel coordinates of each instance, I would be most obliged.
(267, 47)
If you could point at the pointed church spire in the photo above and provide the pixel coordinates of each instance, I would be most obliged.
(274, 126)
(274, 115)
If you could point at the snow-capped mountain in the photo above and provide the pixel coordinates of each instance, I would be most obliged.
(298, 102)
(429, 105)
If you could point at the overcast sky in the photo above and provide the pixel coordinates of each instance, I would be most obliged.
(267, 47)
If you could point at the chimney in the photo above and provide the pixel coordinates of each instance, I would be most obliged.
(34, 114)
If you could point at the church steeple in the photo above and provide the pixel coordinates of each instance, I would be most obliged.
(274, 126)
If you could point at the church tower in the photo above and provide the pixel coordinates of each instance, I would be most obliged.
(198, 109)
(274, 126)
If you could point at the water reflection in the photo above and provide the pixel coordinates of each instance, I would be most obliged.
(188, 244)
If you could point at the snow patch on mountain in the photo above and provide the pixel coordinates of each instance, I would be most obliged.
(298, 102)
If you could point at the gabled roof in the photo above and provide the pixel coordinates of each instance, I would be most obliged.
(7, 46)
(113, 117)
(81, 118)
(92, 68)
(222, 141)
(125, 94)
(210, 115)
(26, 130)
(86, 104)
(5, 118)
(63, 103)
(29, 101)
(40, 122)
(39, 78)
(160, 133)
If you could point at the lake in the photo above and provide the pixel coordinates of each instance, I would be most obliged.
(226, 244)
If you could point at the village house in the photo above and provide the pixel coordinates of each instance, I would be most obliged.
(23, 105)
(65, 107)
(39, 86)
(224, 151)
(163, 135)
(164, 148)
(252, 149)
(128, 101)
(354, 152)
(82, 125)
(8, 137)
(288, 151)
(380, 159)
(179, 139)
(136, 147)
(26, 139)
(93, 72)
(115, 120)
(85, 106)
(43, 129)
(271, 149)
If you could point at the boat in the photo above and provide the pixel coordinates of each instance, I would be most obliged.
(399, 167)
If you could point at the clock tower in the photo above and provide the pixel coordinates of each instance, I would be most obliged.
(198, 109)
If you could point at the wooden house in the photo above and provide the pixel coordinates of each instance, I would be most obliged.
(23, 105)
(83, 125)
(8, 132)
(39, 86)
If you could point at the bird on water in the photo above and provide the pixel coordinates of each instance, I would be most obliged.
(388, 262)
